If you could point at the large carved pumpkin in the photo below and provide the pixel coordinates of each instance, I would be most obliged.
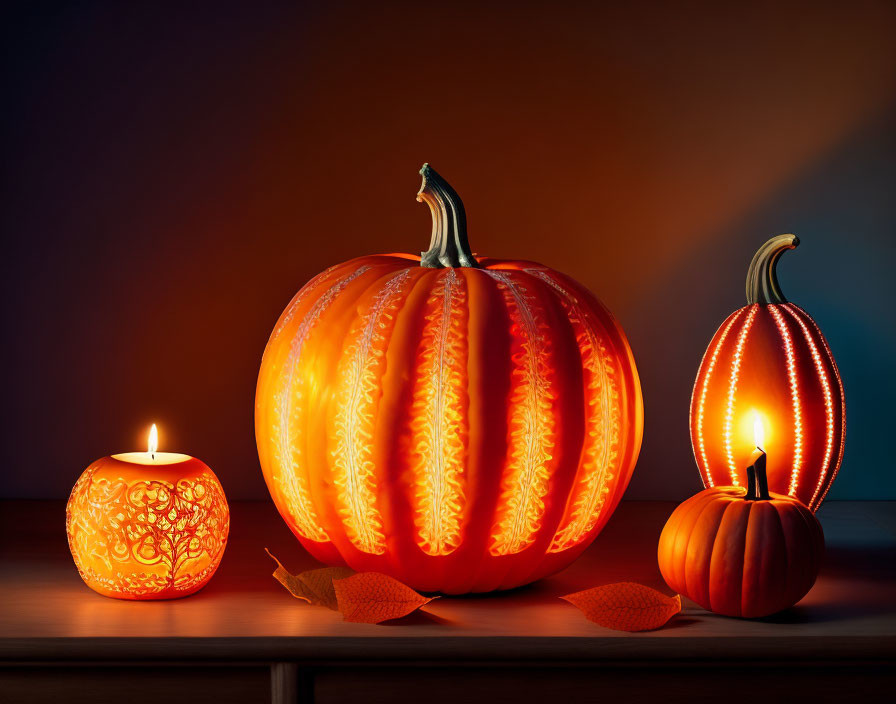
(770, 359)
(461, 425)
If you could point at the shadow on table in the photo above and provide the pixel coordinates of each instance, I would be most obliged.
(419, 618)
(853, 584)
(857, 561)
(826, 612)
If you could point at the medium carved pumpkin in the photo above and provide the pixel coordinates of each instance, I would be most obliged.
(460, 425)
(737, 554)
(770, 359)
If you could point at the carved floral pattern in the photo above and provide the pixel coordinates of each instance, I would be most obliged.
(177, 530)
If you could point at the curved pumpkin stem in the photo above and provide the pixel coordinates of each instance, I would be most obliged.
(449, 245)
(762, 281)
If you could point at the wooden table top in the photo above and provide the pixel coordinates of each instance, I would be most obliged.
(47, 613)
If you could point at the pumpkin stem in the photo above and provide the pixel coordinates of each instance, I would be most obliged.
(762, 281)
(449, 245)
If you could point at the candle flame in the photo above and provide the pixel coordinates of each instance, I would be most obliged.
(153, 443)
(758, 431)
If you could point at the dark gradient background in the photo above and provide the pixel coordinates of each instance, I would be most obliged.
(173, 175)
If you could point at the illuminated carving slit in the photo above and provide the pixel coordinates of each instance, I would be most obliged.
(353, 471)
(701, 402)
(600, 452)
(289, 418)
(300, 298)
(795, 400)
(829, 406)
(732, 391)
(531, 426)
(439, 409)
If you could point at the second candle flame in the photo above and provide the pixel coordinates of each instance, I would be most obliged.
(153, 444)
(758, 431)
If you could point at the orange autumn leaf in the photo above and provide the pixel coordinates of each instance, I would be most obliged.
(319, 584)
(292, 583)
(314, 586)
(626, 606)
(371, 597)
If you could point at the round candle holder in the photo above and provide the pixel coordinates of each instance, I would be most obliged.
(147, 526)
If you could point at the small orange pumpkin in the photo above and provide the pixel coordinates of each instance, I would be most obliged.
(738, 554)
(461, 425)
(770, 359)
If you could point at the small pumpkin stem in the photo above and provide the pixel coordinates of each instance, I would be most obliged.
(762, 281)
(449, 245)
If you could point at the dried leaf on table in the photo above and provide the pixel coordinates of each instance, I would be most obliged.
(314, 586)
(626, 606)
(371, 597)
(292, 583)
(319, 584)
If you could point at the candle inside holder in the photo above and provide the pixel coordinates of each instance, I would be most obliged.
(147, 525)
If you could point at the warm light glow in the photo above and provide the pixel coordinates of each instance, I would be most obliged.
(531, 425)
(288, 427)
(600, 455)
(152, 445)
(439, 432)
(794, 400)
(774, 368)
(828, 404)
(758, 431)
(454, 427)
(701, 405)
(732, 393)
(353, 466)
(147, 529)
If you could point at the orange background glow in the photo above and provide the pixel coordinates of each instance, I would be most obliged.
(173, 177)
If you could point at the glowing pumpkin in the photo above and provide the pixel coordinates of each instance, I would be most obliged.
(737, 554)
(147, 525)
(770, 359)
(460, 425)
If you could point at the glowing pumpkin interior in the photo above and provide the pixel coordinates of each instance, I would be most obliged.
(460, 424)
(769, 360)
(147, 525)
